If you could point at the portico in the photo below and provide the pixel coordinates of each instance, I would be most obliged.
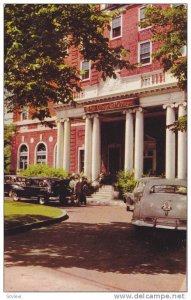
(115, 138)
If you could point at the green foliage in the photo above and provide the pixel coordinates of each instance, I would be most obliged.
(41, 170)
(125, 181)
(9, 131)
(37, 38)
(179, 125)
(169, 28)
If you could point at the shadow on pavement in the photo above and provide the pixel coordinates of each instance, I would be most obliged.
(112, 247)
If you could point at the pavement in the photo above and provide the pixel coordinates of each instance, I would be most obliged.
(64, 216)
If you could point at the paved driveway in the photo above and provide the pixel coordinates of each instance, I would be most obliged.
(96, 249)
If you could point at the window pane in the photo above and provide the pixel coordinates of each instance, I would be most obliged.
(85, 69)
(145, 53)
(142, 13)
(116, 22)
(116, 27)
(85, 65)
(41, 147)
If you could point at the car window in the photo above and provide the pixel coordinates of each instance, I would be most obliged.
(172, 189)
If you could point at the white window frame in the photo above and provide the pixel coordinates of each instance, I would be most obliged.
(25, 110)
(88, 78)
(139, 53)
(139, 18)
(111, 33)
(35, 153)
(18, 155)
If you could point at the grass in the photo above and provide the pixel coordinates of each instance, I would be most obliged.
(21, 213)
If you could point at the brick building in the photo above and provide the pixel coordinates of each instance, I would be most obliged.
(117, 124)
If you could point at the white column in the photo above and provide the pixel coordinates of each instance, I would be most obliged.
(139, 143)
(128, 166)
(60, 144)
(88, 148)
(66, 160)
(182, 146)
(170, 142)
(96, 148)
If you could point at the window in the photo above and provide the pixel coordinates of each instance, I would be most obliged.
(116, 27)
(145, 53)
(41, 154)
(142, 13)
(172, 189)
(24, 114)
(81, 160)
(85, 68)
(23, 157)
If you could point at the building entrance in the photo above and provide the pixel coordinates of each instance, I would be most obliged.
(114, 158)
(112, 146)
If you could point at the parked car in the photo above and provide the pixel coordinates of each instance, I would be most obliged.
(9, 181)
(128, 197)
(160, 203)
(41, 188)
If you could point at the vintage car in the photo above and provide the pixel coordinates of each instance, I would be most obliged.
(9, 181)
(128, 197)
(41, 188)
(160, 203)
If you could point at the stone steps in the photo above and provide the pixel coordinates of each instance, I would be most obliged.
(104, 196)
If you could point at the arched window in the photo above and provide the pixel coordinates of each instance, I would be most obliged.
(23, 157)
(41, 154)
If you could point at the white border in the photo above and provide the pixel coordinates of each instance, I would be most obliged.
(83, 295)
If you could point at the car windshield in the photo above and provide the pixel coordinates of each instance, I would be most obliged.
(172, 189)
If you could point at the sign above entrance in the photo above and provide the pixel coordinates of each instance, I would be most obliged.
(113, 105)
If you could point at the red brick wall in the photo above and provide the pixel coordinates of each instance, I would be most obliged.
(77, 141)
(18, 140)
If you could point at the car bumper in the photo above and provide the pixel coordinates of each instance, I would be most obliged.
(161, 223)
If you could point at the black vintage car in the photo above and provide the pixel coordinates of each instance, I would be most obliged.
(41, 188)
(9, 181)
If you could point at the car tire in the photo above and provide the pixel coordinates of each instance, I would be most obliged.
(42, 200)
(15, 196)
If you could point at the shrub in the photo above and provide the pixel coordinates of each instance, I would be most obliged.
(41, 170)
(125, 181)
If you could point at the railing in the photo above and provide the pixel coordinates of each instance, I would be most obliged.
(79, 95)
(152, 79)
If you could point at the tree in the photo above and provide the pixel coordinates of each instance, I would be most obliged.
(169, 29)
(9, 131)
(37, 39)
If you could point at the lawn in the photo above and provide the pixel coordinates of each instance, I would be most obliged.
(20, 213)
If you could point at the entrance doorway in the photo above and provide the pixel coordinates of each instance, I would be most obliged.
(114, 158)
